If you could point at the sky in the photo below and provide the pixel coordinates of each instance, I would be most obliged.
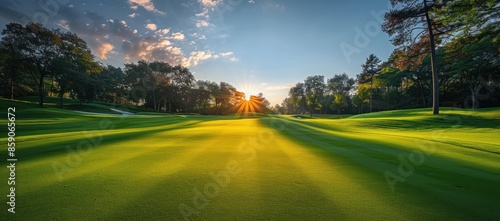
(258, 46)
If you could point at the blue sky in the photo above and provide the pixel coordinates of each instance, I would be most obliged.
(256, 45)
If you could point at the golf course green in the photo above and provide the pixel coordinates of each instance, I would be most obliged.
(393, 165)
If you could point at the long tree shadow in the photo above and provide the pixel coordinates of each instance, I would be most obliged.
(114, 183)
(373, 158)
(442, 121)
(46, 148)
(53, 125)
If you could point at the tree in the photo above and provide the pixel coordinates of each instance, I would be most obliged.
(36, 45)
(201, 94)
(139, 76)
(279, 109)
(314, 88)
(326, 100)
(288, 106)
(72, 62)
(401, 22)
(12, 68)
(183, 80)
(471, 17)
(263, 103)
(224, 96)
(340, 86)
(474, 62)
(114, 87)
(297, 97)
(161, 84)
(370, 68)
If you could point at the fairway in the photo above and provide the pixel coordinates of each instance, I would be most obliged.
(400, 165)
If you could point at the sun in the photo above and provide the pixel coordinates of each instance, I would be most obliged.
(249, 90)
(250, 105)
(248, 108)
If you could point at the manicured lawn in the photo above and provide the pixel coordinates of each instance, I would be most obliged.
(399, 165)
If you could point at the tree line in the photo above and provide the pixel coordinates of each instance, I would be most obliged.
(37, 61)
(447, 54)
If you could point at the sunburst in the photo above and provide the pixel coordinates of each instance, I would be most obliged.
(249, 107)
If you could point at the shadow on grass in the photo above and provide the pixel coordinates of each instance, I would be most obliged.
(422, 119)
(52, 149)
(442, 121)
(432, 181)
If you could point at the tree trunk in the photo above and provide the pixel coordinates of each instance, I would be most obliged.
(12, 89)
(154, 100)
(474, 92)
(371, 85)
(435, 81)
(40, 91)
(61, 94)
(424, 102)
(52, 87)
(473, 97)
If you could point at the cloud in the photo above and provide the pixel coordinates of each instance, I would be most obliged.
(251, 2)
(151, 26)
(178, 36)
(92, 25)
(202, 23)
(209, 3)
(111, 38)
(105, 36)
(200, 37)
(277, 88)
(103, 50)
(146, 4)
(133, 15)
(233, 59)
(152, 48)
(207, 6)
(224, 54)
(63, 23)
(196, 57)
(202, 14)
(162, 32)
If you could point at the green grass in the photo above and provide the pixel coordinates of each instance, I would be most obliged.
(70, 104)
(323, 116)
(145, 167)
